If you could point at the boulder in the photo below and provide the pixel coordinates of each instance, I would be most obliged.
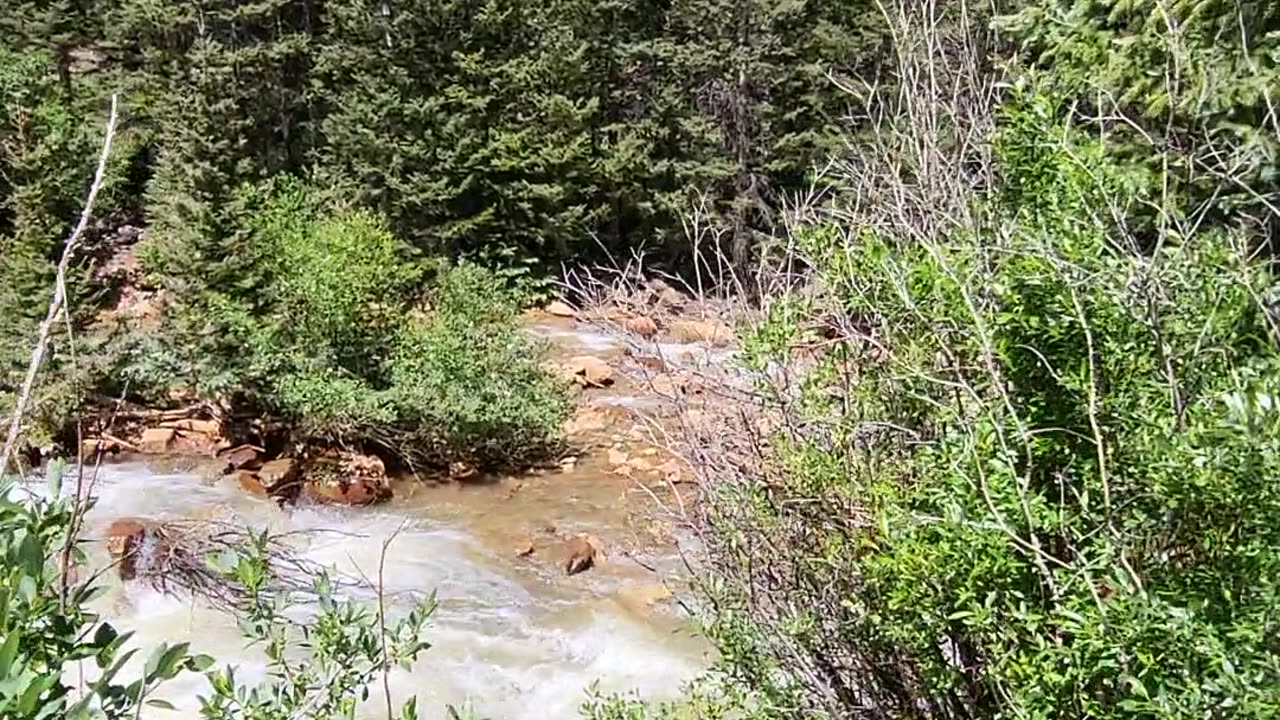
(711, 332)
(560, 309)
(595, 418)
(89, 447)
(157, 441)
(640, 325)
(581, 553)
(354, 479)
(345, 492)
(191, 442)
(125, 538)
(241, 456)
(251, 482)
(666, 296)
(590, 371)
(278, 474)
(673, 471)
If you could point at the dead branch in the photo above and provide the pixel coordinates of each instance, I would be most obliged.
(179, 557)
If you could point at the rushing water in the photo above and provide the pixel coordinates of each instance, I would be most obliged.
(512, 636)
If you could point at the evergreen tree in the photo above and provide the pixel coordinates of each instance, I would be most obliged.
(231, 108)
(468, 123)
(757, 77)
(1187, 94)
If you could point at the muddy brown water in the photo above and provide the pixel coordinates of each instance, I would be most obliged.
(513, 635)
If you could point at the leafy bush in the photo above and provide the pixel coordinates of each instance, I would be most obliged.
(347, 647)
(467, 382)
(1035, 475)
(344, 333)
(47, 627)
(319, 669)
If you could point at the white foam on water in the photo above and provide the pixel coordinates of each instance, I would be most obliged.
(584, 337)
(517, 646)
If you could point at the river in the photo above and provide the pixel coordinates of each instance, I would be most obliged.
(513, 635)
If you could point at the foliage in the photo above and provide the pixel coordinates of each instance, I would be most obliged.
(46, 626)
(1032, 477)
(355, 342)
(710, 697)
(515, 137)
(347, 648)
(48, 142)
(1185, 90)
(468, 383)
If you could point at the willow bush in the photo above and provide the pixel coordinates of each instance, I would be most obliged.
(1034, 475)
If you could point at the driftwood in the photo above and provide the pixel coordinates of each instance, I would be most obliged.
(181, 557)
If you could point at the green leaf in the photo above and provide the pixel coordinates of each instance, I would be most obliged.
(200, 663)
(31, 555)
(9, 651)
(162, 704)
(164, 661)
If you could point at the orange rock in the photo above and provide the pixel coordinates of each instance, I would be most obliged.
(664, 385)
(190, 442)
(581, 553)
(125, 537)
(673, 471)
(278, 474)
(241, 456)
(353, 479)
(704, 331)
(344, 492)
(594, 418)
(640, 325)
(667, 296)
(617, 456)
(590, 371)
(250, 482)
(560, 309)
(157, 441)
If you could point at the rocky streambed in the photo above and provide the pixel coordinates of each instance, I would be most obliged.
(548, 581)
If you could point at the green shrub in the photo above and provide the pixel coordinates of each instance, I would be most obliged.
(348, 336)
(319, 669)
(1035, 476)
(47, 628)
(467, 382)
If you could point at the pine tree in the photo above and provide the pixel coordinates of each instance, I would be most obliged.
(468, 123)
(232, 109)
(757, 76)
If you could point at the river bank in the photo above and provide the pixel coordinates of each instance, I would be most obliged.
(517, 633)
